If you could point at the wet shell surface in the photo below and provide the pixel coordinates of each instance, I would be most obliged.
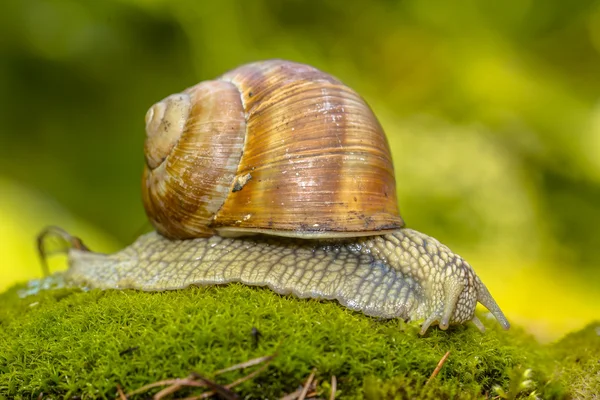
(274, 147)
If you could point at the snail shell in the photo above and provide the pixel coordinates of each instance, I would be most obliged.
(272, 147)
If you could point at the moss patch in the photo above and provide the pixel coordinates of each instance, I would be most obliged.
(577, 358)
(66, 343)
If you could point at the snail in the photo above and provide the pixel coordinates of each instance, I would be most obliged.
(276, 174)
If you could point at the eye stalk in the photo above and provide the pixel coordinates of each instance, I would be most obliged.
(165, 122)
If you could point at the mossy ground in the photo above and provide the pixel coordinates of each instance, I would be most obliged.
(67, 343)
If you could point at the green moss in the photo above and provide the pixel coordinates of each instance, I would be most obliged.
(578, 361)
(66, 343)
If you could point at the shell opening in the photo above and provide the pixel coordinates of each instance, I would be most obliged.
(165, 122)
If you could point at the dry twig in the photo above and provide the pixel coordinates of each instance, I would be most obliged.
(246, 364)
(197, 380)
(249, 376)
(307, 384)
(171, 389)
(120, 393)
(438, 368)
(292, 396)
(310, 384)
(223, 391)
(177, 381)
(333, 387)
(237, 382)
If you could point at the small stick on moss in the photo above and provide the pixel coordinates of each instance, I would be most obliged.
(438, 368)
(313, 387)
(234, 383)
(192, 380)
(297, 393)
(40, 396)
(166, 391)
(120, 393)
(293, 395)
(171, 389)
(223, 391)
(178, 381)
(246, 364)
(333, 387)
(249, 376)
(307, 384)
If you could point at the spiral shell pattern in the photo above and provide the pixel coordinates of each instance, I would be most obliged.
(273, 147)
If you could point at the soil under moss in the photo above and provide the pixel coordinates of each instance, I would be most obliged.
(67, 343)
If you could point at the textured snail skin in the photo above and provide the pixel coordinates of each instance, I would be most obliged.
(405, 274)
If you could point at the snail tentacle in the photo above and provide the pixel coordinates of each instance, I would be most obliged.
(478, 324)
(485, 298)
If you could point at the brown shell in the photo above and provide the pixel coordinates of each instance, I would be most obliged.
(199, 159)
(315, 161)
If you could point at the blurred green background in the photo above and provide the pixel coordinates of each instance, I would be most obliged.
(492, 112)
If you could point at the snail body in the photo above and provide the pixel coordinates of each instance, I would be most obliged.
(404, 274)
(276, 174)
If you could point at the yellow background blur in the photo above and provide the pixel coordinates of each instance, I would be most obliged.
(492, 112)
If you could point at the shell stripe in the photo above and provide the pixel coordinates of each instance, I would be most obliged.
(317, 155)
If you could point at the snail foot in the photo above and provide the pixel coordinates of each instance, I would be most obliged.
(444, 313)
(477, 322)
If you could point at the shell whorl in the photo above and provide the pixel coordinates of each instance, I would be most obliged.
(165, 122)
(305, 157)
(183, 193)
